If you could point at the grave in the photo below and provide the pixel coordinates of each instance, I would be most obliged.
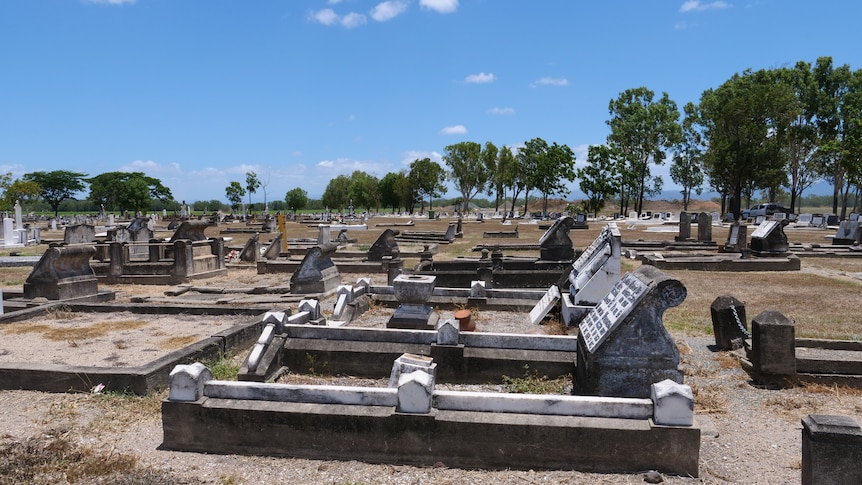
(831, 449)
(684, 227)
(623, 347)
(63, 273)
(316, 273)
(593, 275)
(769, 239)
(138, 234)
(412, 293)
(501, 234)
(737, 237)
(79, 234)
(555, 244)
(440, 237)
(704, 227)
(847, 233)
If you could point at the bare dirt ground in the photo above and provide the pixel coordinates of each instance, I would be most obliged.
(751, 432)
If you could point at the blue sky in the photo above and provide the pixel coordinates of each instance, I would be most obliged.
(198, 92)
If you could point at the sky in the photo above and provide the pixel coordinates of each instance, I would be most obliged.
(198, 92)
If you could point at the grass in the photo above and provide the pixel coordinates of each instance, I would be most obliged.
(533, 383)
(73, 334)
(225, 367)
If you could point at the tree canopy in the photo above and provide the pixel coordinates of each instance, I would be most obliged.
(467, 168)
(428, 178)
(132, 191)
(296, 199)
(57, 186)
(234, 193)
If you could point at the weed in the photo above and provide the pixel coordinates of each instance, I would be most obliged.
(533, 383)
(314, 368)
(225, 367)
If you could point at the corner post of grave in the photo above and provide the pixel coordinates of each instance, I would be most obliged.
(116, 256)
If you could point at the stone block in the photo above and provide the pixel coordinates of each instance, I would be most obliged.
(187, 382)
(447, 333)
(773, 344)
(408, 363)
(310, 306)
(831, 450)
(415, 390)
(728, 322)
(275, 318)
(673, 403)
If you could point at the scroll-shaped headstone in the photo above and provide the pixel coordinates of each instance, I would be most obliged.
(769, 239)
(79, 234)
(317, 273)
(623, 347)
(274, 249)
(385, 245)
(192, 230)
(63, 272)
(555, 244)
(251, 250)
(597, 269)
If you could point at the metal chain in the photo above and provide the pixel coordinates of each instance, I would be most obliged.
(738, 322)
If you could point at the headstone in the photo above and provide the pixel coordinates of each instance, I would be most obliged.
(79, 234)
(832, 220)
(831, 450)
(191, 230)
(737, 237)
(555, 244)
(728, 322)
(769, 239)
(273, 251)
(545, 304)
(317, 273)
(53, 224)
(673, 403)
(187, 382)
(385, 245)
(251, 250)
(623, 346)
(412, 293)
(684, 227)
(773, 345)
(324, 234)
(704, 227)
(19, 225)
(846, 234)
(597, 269)
(63, 272)
(818, 221)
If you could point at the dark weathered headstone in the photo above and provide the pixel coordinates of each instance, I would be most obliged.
(684, 227)
(317, 273)
(623, 346)
(191, 230)
(251, 250)
(385, 245)
(79, 234)
(274, 250)
(737, 237)
(704, 227)
(63, 272)
(555, 244)
(831, 450)
(773, 345)
(728, 322)
(769, 239)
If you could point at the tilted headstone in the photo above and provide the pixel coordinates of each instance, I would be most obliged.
(769, 239)
(79, 234)
(555, 244)
(684, 227)
(623, 346)
(63, 272)
(273, 251)
(545, 304)
(317, 273)
(597, 269)
(728, 322)
(251, 250)
(737, 237)
(385, 245)
(191, 230)
(704, 227)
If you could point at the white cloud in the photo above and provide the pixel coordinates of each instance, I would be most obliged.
(682, 26)
(697, 6)
(346, 166)
(550, 81)
(14, 168)
(326, 16)
(352, 20)
(333, 2)
(111, 2)
(440, 6)
(152, 168)
(454, 130)
(412, 155)
(480, 78)
(388, 10)
(501, 111)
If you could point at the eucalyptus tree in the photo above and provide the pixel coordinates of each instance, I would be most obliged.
(801, 142)
(687, 166)
(741, 119)
(363, 190)
(296, 199)
(641, 131)
(428, 178)
(234, 193)
(467, 168)
(503, 177)
(252, 183)
(335, 194)
(598, 178)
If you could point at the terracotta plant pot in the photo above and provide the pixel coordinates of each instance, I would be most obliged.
(464, 321)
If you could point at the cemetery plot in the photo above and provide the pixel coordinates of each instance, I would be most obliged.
(612, 310)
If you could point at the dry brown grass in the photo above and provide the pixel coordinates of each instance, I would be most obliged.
(709, 398)
(74, 334)
(178, 342)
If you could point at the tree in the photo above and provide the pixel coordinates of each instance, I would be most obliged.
(296, 199)
(335, 195)
(131, 191)
(363, 190)
(800, 132)
(549, 167)
(427, 178)
(388, 187)
(234, 193)
(56, 186)
(252, 183)
(25, 191)
(597, 178)
(739, 119)
(504, 176)
(641, 131)
(687, 167)
(467, 170)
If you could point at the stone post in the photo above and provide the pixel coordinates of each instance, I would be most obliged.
(156, 250)
(773, 344)
(728, 322)
(217, 248)
(115, 253)
(831, 450)
(183, 258)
